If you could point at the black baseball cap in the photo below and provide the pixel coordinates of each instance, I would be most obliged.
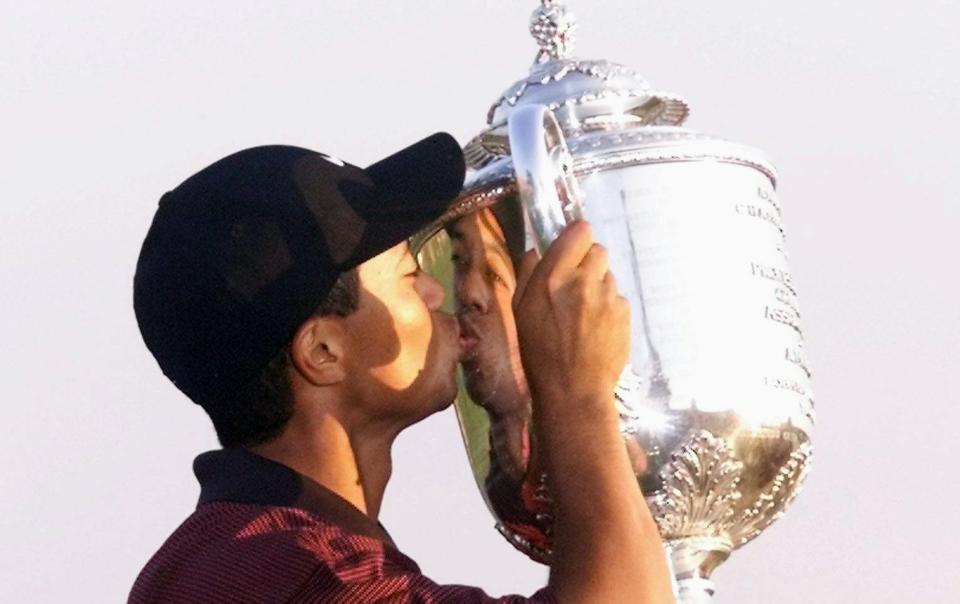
(244, 251)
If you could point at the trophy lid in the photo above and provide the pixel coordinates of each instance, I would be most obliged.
(609, 115)
(584, 94)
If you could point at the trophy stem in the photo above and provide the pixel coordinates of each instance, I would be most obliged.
(694, 591)
(692, 560)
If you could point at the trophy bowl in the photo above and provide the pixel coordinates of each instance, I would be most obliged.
(716, 407)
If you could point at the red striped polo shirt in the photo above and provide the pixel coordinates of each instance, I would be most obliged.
(263, 533)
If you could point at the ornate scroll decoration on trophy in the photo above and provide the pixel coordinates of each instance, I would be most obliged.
(775, 500)
(701, 491)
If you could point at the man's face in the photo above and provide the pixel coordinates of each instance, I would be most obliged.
(403, 351)
(484, 281)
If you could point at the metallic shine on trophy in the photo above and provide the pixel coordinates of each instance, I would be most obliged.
(716, 407)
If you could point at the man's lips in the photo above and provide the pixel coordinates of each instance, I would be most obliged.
(468, 338)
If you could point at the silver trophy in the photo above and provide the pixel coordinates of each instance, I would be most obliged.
(716, 407)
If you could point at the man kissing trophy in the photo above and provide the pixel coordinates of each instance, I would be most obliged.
(715, 404)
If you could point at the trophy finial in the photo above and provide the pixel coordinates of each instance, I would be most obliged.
(554, 28)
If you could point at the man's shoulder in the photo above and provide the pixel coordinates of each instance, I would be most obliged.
(220, 529)
(227, 548)
(239, 552)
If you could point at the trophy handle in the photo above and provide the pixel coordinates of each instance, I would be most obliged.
(549, 192)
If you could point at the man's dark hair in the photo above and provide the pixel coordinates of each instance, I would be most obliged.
(259, 411)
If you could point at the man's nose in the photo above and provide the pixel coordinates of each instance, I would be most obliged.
(472, 292)
(430, 290)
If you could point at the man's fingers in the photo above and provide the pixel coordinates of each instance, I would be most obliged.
(610, 281)
(610, 284)
(568, 250)
(596, 262)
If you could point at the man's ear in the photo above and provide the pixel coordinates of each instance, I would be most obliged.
(317, 351)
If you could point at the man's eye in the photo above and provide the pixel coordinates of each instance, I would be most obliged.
(496, 278)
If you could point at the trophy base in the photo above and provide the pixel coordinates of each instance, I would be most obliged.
(692, 560)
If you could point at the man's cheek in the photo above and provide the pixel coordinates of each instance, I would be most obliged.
(411, 320)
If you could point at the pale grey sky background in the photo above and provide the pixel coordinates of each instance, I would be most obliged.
(104, 105)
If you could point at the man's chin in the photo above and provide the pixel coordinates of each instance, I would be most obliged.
(447, 403)
(450, 396)
(441, 398)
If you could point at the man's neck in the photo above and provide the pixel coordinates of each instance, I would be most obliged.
(354, 467)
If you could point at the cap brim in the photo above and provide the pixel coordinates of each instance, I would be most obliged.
(422, 179)
(412, 188)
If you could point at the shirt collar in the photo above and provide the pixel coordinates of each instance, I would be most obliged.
(237, 475)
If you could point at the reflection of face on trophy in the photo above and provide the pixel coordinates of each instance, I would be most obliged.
(484, 284)
(715, 403)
